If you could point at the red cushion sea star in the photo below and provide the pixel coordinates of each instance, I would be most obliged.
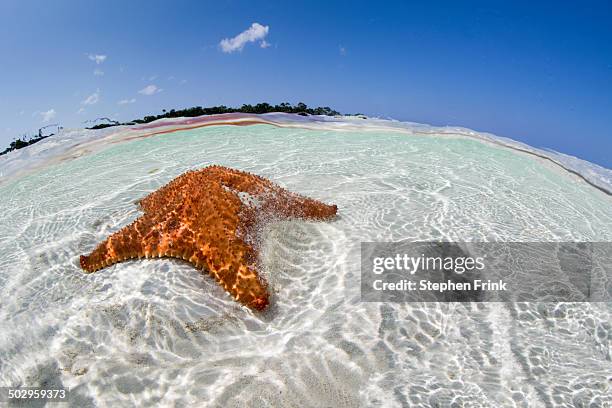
(210, 218)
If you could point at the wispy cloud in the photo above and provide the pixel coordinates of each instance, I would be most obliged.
(150, 90)
(92, 99)
(97, 58)
(98, 72)
(342, 50)
(48, 115)
(81, 110)
(254, 33)
(126, 101)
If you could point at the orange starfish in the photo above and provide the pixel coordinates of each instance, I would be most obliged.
(210, 218)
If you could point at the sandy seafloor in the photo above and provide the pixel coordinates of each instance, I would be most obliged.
(158, 332)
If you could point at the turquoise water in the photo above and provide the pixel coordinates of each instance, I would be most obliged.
(159, 331)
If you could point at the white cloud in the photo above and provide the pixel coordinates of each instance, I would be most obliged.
(97, 58)
(48, 115)
(342, 51)
(92, 99)
(81, 110)
(183, 82)
(254, 33)
(98, 72)
(264, 44)
(150, 90)
(126, 101)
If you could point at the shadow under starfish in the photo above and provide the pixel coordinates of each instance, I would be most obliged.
(210, 218)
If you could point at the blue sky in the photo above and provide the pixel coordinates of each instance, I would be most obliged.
(538, 72)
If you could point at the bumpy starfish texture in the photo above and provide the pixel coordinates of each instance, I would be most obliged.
(210, 218)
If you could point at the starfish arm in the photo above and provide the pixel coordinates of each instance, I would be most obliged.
(231, 264)
(275, 198)
(124, 244)
(291, 205)
(165, 197)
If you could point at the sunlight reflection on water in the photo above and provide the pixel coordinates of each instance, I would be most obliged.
(155, 331)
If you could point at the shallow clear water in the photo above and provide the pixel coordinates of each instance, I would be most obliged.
(151, 331)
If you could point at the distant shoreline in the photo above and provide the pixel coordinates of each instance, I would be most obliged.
(263, 107)
(177, 123)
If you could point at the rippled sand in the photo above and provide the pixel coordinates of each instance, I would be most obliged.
(157, 331)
